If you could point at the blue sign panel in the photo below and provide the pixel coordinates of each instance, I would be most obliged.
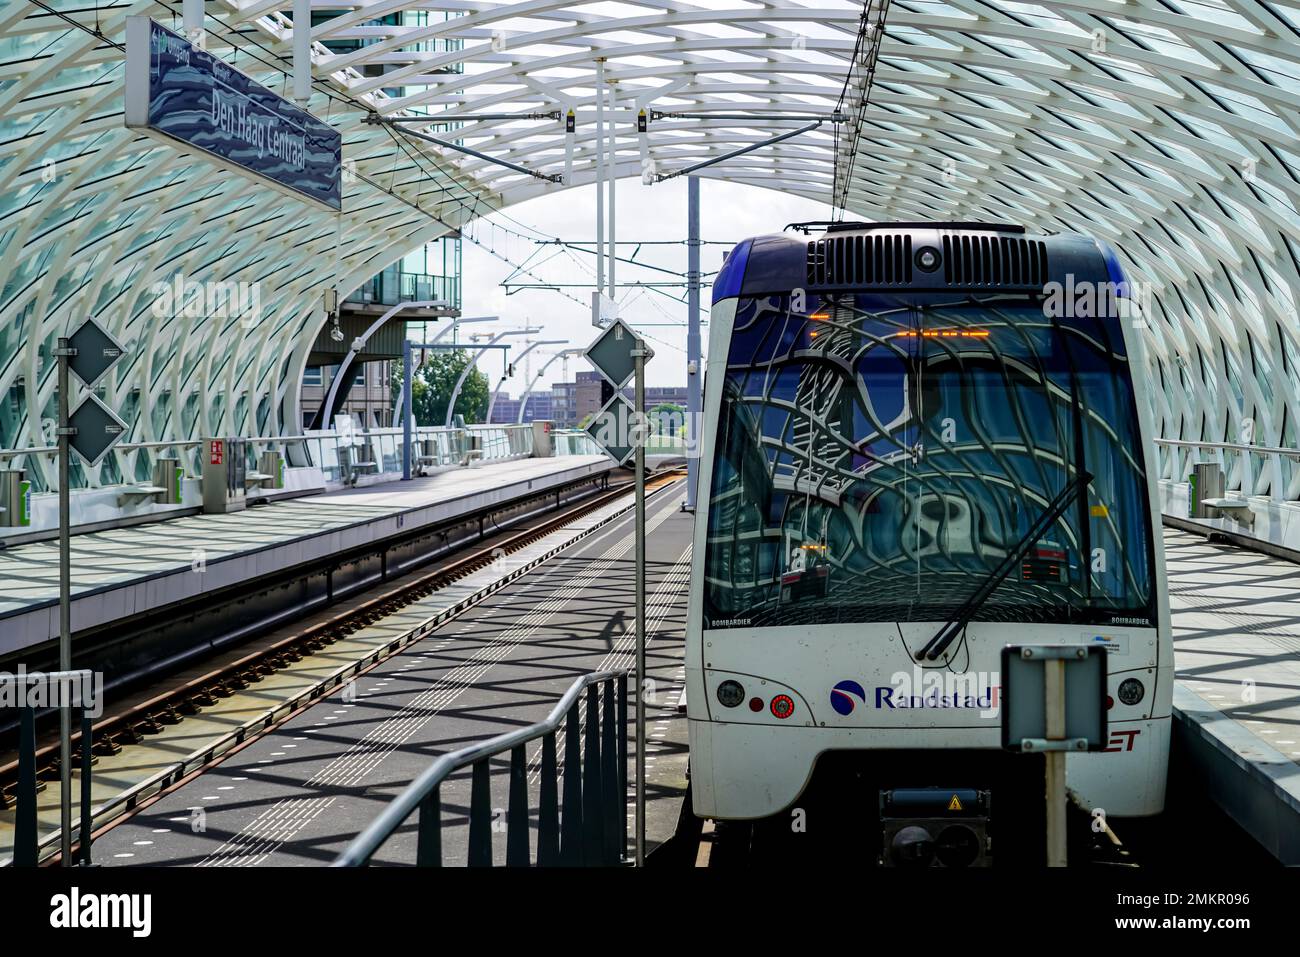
(179, 91)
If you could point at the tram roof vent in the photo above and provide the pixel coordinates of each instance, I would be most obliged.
(994, 261)
(870, 259)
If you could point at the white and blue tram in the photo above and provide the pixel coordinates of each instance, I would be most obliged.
(921, 442)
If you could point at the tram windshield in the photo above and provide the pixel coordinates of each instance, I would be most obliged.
(876, 460)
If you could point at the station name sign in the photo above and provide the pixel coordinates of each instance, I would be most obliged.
(177, 91)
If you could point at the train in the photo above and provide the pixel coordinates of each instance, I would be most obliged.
(920, 443)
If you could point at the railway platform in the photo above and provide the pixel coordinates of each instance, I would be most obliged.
(298, 794)
(332, 738)
(1237, 691)
(317, 548)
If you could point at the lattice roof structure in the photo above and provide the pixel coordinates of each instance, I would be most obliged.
(1167, 127)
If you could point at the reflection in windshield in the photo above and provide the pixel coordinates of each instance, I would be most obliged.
(876, 460)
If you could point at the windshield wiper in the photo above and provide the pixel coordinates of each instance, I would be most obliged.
(946, 635)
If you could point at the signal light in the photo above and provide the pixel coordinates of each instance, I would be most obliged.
(782, 706)
(756, 704)
(945, 334)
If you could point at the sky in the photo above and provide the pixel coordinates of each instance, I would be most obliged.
(728, 213)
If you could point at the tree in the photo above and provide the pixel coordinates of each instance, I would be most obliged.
(668, 418)
(435, 379)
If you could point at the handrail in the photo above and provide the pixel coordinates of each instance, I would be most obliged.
(260, 439)
(1233, 446)
(325, 449)
(593, 806)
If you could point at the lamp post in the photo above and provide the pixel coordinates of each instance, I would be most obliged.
(531, 346)
(408, 421)
(523, 402)
(455, 393)
(359, 343)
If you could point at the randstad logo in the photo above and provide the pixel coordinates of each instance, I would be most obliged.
(842, 696)
(977, 691)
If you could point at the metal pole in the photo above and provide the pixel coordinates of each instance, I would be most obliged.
(639, 355)
(65, 611)
(600, 175)
(1054, 687)
(25, 853)
(302, 52)
(87, 735)
(407, 389)
(613, 194)
(693, 361)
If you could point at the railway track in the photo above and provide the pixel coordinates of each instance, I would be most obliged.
(142, 715)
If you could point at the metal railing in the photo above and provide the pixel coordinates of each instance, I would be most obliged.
(382, 447)
(575, 442)
(1248, 469)
(586, 826)
(392, 286)
(26, 849)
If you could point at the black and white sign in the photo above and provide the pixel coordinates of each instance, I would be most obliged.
(96, 350)
(612, 428)
(98, 429)
(611, 353)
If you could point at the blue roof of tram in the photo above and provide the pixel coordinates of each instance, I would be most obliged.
(779, 263)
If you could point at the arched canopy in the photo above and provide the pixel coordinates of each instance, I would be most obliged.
(1166, 127)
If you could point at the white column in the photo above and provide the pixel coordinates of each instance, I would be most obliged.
(613, 180)
(192, 17)
(600, 175)
(302, 52)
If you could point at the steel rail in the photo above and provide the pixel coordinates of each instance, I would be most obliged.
(406, 594)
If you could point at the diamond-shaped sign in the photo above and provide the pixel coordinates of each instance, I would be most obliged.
(611, 427)
(611, 353)
(96, 352)
(98, 429)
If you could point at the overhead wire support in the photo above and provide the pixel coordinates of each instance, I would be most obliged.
(473, 117)
(739, 152)
(857, 91)
(377, 120)
(836, 117)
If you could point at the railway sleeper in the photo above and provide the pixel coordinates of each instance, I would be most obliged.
(147, 726)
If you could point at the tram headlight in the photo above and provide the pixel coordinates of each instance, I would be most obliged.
(730, 693)
(1131, 691)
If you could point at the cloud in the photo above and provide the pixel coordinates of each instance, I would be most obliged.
(729, 213)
